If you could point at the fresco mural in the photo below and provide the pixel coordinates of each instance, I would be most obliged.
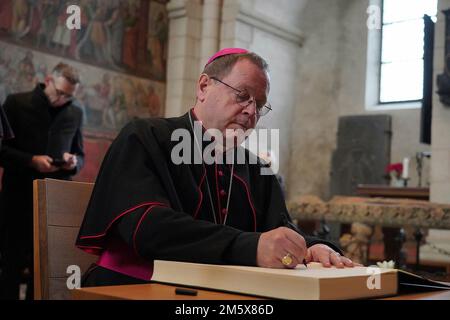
(109, 99)
(120, 52)
(128, 36)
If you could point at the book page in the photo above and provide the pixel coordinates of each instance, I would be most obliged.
(314, 270)
(407, 279)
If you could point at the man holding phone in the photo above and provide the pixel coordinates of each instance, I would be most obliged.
(47, 144)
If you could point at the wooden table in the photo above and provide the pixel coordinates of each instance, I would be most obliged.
(373, 190)
(436, 295)
(156, 291)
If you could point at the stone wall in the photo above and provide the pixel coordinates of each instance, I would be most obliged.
(331, 83)
(440, 159)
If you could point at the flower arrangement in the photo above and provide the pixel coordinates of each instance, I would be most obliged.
(386, 264)
(394, 174)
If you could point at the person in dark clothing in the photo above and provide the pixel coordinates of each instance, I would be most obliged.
(147, 205)
(5, 133)
(47, 144)
(5, 128)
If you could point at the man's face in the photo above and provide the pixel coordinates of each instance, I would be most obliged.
(59, 91)
(221, 108)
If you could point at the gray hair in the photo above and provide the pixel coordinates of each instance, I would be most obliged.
(222, 66)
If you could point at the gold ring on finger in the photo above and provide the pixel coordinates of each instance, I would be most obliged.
(287, 259)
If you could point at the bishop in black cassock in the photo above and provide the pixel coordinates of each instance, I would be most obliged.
(144, 206)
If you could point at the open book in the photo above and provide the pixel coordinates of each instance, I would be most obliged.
(314, 282)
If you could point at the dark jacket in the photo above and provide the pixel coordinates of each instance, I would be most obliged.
(39, 130)
(5, 129)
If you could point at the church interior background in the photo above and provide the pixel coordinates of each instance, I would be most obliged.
(141, 58)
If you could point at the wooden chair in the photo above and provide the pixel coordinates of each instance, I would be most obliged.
(59, 208)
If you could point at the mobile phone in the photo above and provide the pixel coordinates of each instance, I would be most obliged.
(58, 162)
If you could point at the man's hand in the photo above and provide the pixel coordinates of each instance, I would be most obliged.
(43, 164)
(275, 244)
(71, 161)
(327, 256)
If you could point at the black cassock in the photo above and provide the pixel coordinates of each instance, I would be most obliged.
(159, 210)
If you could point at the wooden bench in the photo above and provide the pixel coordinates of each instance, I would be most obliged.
(59, 208)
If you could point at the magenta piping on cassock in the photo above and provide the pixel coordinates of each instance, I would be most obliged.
(248, 197)
(219, 206)
(97, 250)
(201, 194)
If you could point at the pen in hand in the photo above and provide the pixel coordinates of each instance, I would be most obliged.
(286, 224)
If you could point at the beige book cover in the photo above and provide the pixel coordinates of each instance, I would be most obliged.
(313, 282)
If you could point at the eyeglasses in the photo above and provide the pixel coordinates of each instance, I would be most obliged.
(244, 99)
(62, 94)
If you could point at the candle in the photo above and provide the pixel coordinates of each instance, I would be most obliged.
(405, 168)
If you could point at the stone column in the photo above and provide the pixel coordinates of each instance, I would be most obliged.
(184, 55)
(265, 28)
(210, 30)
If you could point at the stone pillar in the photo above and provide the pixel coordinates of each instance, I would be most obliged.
(210, 30)
(184, 55)
(254, 25)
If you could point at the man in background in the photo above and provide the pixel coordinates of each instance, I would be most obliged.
(47, 144)
(5, 129)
